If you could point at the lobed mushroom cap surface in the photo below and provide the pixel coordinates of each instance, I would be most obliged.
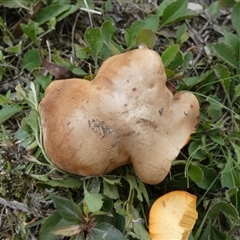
(125, 115)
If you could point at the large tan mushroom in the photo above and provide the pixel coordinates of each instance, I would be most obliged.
(125, 115)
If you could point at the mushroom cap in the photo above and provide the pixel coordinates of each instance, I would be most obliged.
(125, 115)
(172, 216)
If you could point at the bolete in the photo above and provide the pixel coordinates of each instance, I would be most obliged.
(172, 216)
(126, 114)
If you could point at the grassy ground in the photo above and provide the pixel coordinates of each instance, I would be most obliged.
(200, 48)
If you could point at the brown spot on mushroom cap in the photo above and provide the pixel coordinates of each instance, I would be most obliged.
(154, 142)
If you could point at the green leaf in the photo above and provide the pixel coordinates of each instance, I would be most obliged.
(83, 3)
(208, 80)
(237, 91)
(31, 97)
(147, 37)
(11, 4)
(143, 190)
(94, 201)
(79, 72)
(7, 40)
(3, 26)
(66, 183)
(50, 12)
(94, 185)
(140, 230)
(53, 221)
(205, 232)
(131, 33)
(188, 57)
(1, 59)
(163, 6)
(227, 174)
(195, 173)
(43, 81)
(32, 30)
(216, 234)
(151, 22)
(80, 52)
(207, 77)
(169, 73)
(14, 49)
(209, 178)
(106, 52)
(195, 150)
(218, 139)
(213, 9)
(182, 34)
(4, 99)
(133, 184)
(8, 111)
(42, 178)
(94, 41)
(224, 52)
(214, 110)
(169, 54)
(31, 59)
(138, 225)
(110, 191)
(107, 31)
(21, 134)
(175, 11)
(106, 231)
(236, 149)
(68, 210)
(112, 181)
(235, 17)
(232, 192)
(223, 74)
(32, 121)
(226, 208)
(116, 49)
(233, 41)
(224, 3)
(177, 61)
(72, 9)
(190, 81)
(118, 205)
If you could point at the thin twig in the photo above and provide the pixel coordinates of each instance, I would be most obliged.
(89, 13)
(15, 205)
(72, 37)
(49, 51)
(90, 10)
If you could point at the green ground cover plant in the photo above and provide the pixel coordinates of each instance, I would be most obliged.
(201, 54)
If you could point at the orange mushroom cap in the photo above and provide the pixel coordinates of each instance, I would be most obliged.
(172, 216)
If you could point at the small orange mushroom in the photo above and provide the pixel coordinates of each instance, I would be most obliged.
(127, 114)
(172, 216)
